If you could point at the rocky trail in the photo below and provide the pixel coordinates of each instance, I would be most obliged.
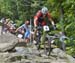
(10, 52)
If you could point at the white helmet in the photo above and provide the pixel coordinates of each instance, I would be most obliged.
(44, 10)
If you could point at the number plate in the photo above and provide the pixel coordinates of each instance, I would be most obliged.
(46, 28)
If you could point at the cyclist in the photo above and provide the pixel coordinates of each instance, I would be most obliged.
(39, 18)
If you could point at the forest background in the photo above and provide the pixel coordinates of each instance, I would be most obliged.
(62, 11)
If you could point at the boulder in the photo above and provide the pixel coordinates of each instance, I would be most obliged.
(7, 42)
(24, 57)
(58, 53)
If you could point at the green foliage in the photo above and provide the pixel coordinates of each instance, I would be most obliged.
(18, 23)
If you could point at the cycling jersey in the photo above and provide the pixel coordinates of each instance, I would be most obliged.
(40, 17)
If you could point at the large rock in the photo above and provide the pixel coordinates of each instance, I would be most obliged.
(24, 57)
(7, 42)
(58, 53)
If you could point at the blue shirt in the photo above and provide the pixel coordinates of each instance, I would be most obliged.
(26, 28)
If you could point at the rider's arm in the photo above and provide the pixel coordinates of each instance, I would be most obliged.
(35, 21)
(38, 14)
(53, 24)
(51, 20)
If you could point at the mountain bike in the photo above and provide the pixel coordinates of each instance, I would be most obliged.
(48, 42)
(51, 39)
(47, 39)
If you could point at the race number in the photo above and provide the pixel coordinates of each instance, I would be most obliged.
(46, 28)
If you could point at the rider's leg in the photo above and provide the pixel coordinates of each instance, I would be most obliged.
(43, 37)
(34, 35)
(44, 34)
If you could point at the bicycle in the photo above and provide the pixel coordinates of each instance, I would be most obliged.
(48, 43)
(51, 39)
(46, 40)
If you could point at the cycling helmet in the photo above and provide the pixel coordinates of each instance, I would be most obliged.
(44, 10)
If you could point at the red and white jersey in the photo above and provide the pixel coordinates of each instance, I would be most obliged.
(40, 17)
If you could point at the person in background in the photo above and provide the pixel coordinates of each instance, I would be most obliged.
(11, 27)
(4, 25)
(24, 32)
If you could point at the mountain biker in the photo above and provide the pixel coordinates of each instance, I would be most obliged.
(25, 31)
(39, 18)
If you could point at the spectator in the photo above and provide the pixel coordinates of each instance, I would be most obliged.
(4, 25)
(24, 32)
